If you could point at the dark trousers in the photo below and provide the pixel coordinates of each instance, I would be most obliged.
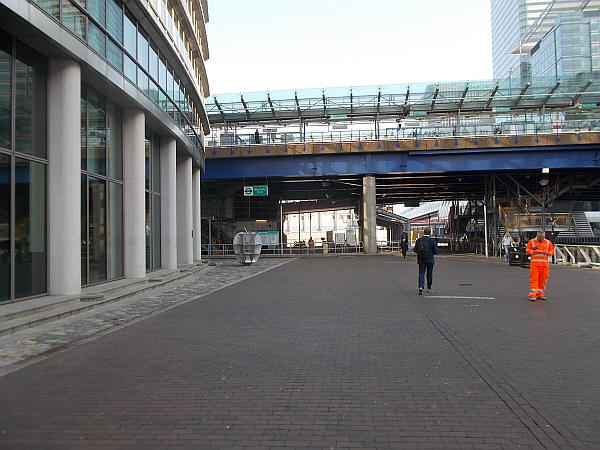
(422, 268)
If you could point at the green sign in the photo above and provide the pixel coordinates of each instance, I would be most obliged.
(418, 113)
(589, 105)
(256, 191)
(339, 116)
(501, 109)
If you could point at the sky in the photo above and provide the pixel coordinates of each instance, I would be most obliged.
(267, 45)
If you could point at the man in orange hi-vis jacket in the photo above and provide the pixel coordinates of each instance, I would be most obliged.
(540, 249)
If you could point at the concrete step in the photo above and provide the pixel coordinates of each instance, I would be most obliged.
(13, 311)
(47, 309)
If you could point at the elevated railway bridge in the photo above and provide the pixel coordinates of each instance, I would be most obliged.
(525, 152)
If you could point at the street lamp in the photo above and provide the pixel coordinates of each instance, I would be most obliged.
(544, 183)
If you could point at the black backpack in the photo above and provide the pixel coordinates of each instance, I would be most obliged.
(422, 248)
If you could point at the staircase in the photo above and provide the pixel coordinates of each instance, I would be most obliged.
(582, 226)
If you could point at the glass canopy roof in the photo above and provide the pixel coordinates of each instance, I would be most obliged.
(400, 100)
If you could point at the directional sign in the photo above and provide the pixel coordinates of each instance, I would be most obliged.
(498, 109)
(418, 113)
(589, 105)
(256, 191)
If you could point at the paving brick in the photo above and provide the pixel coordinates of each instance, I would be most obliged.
(330, 352)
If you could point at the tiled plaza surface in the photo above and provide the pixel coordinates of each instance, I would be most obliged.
(331, 352)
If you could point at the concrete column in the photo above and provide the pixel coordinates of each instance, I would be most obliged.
(64, 177)
(134, 191)
(196, 208)
(168, 203)
(369, 216)
(185, 221)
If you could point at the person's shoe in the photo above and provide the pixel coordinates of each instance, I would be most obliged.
(543, 297)
(532, 299)
(429, 290)
(420, 291)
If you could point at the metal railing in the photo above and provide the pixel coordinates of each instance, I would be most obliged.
(580, 255)
(297, 250)
(220, 138)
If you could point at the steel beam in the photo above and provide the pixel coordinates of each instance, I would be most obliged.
(463, 96)
(491, 97)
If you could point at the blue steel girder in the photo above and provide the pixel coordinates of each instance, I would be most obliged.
(435, 161)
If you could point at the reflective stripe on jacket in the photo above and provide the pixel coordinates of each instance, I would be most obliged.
(537, 257)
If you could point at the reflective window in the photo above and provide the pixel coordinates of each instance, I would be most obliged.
(155, 177)
(114, 142)
(142, 49)
(5, 89)
(169, 83)
(153, 63)
(175, 95)
(115, 230)
(84, 231)
(5, 257)
(155, 231)
(102, 192)
(114, 23)
(96, 136)
(97, 9)
(115, 55)
(142, 80)
(162, 74)
(96, 230)
(73, 18)
(130, 69)
(22, 181)
(163, 10)
(147, 170)
(30, 102)
(83, 129)
(148, 225)
(52, 7)
(129, 34)
(152, 170)
(97, 39)
(30, 228)
(153, 91)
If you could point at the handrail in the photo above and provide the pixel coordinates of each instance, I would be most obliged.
(221, 138)
(568, 254)
(286, 249)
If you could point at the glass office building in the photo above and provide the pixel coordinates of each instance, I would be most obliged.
(571, 47)
(544, 38)
(102, 120)
(511, 20)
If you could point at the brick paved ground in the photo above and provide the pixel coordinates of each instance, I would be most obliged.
(332, 352)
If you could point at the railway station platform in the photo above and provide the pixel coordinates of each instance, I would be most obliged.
(323, 352)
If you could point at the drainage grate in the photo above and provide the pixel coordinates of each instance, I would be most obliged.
(465, 284)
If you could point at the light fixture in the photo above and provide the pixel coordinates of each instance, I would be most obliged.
(546, 170)
(261, 220)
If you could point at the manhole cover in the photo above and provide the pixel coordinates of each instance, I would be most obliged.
(465, 284)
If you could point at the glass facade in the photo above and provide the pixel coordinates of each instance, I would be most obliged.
(511, 19)
(22, 170)
(556, 39)
(152, 170)
(570, 48)
(113, 32)
(101, 189)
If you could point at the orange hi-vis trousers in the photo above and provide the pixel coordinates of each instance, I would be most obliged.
(539, 268)
(538, 276)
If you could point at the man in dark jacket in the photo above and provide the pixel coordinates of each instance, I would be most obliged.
(426, 248)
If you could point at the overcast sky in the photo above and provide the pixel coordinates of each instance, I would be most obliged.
(266, 45)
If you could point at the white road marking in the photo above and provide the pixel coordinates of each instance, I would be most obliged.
(457, 296)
